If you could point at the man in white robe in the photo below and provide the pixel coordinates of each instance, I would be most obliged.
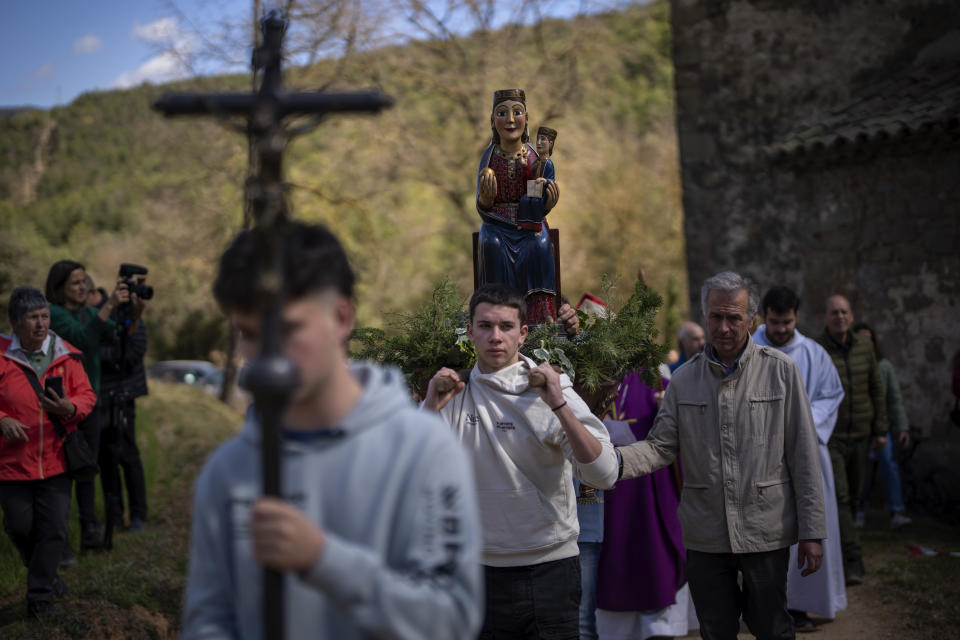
(824, 592)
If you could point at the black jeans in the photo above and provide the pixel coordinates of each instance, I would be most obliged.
(35, 516)
(118, 448)
(720, 601)
(86, 491)
(533, 602)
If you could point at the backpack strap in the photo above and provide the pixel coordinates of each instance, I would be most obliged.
(32, 377)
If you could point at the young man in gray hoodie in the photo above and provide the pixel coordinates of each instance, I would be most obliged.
(378, 531)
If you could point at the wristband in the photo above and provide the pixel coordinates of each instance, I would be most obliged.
(558, 407)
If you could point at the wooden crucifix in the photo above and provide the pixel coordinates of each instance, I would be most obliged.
(271, 377)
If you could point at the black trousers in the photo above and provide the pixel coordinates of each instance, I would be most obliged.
(118, 450)
(35, 514)
(849, 460)
(533, 602)
(720, 600)
(86, 491)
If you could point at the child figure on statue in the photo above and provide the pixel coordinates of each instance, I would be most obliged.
(516, 188)
(546, 137)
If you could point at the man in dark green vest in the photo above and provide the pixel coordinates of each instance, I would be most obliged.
(861, 422)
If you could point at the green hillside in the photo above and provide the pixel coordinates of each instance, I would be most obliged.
(105, 180)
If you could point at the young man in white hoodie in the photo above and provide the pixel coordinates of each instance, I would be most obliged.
(527, 443)
(377, 532)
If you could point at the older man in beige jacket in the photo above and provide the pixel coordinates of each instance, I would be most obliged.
(738, 415)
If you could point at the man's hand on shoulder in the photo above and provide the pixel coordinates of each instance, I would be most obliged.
(658, 396)
(812, 552)
(444, 384)
(550, 391)
(284, 538)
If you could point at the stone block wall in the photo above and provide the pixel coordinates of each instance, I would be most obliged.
(884, 231)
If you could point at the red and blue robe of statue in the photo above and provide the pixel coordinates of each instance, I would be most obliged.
(514, 246)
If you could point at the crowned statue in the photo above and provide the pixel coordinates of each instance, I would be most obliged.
(516, 189)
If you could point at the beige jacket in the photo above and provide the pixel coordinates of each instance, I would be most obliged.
(749, 452)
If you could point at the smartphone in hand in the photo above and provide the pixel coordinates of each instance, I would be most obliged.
(55, 383)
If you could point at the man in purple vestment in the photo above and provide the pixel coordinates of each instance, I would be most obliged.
(642, 562)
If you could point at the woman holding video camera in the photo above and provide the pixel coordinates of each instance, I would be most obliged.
(34, 487)
(87, 328)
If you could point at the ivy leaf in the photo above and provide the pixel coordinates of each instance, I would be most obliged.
(565, 363)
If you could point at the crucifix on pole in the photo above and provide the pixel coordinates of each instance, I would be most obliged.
(271, 377)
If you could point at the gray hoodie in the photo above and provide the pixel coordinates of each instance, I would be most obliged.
(393, 491)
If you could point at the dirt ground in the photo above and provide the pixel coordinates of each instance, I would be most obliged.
(866, 618)
(904, 597)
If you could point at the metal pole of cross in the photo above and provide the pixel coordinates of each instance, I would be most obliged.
(271, 377)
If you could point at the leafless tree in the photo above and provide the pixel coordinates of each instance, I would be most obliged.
(478, 46)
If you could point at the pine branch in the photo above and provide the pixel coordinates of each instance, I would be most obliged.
(602, 354)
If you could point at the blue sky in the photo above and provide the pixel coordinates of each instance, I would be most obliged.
(54, 50)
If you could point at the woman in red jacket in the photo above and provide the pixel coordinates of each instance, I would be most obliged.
(34, 486)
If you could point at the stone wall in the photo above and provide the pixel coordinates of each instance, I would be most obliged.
(884, 231)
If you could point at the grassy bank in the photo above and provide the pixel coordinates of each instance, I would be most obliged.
(135, 591)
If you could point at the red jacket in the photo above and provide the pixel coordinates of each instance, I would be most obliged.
(41, 455)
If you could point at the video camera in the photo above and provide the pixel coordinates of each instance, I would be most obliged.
(127, 271)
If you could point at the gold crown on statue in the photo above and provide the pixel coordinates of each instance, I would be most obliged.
(509, 94)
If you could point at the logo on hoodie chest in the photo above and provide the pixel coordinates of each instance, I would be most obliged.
(504, 425)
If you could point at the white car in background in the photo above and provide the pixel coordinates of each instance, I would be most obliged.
(181, 371)
(199, 373)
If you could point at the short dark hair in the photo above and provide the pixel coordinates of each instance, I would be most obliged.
(499, 294)
(57, 277)
(23, 300)
(781, 300)
(312, 257)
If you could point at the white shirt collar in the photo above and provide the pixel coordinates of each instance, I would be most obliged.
(17, 346)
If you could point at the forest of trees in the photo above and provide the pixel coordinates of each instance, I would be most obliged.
(106, 180)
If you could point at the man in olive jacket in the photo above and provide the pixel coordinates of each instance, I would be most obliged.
(862, 414)
(739, 416)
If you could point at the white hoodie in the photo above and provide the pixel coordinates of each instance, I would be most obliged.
(524, 465)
